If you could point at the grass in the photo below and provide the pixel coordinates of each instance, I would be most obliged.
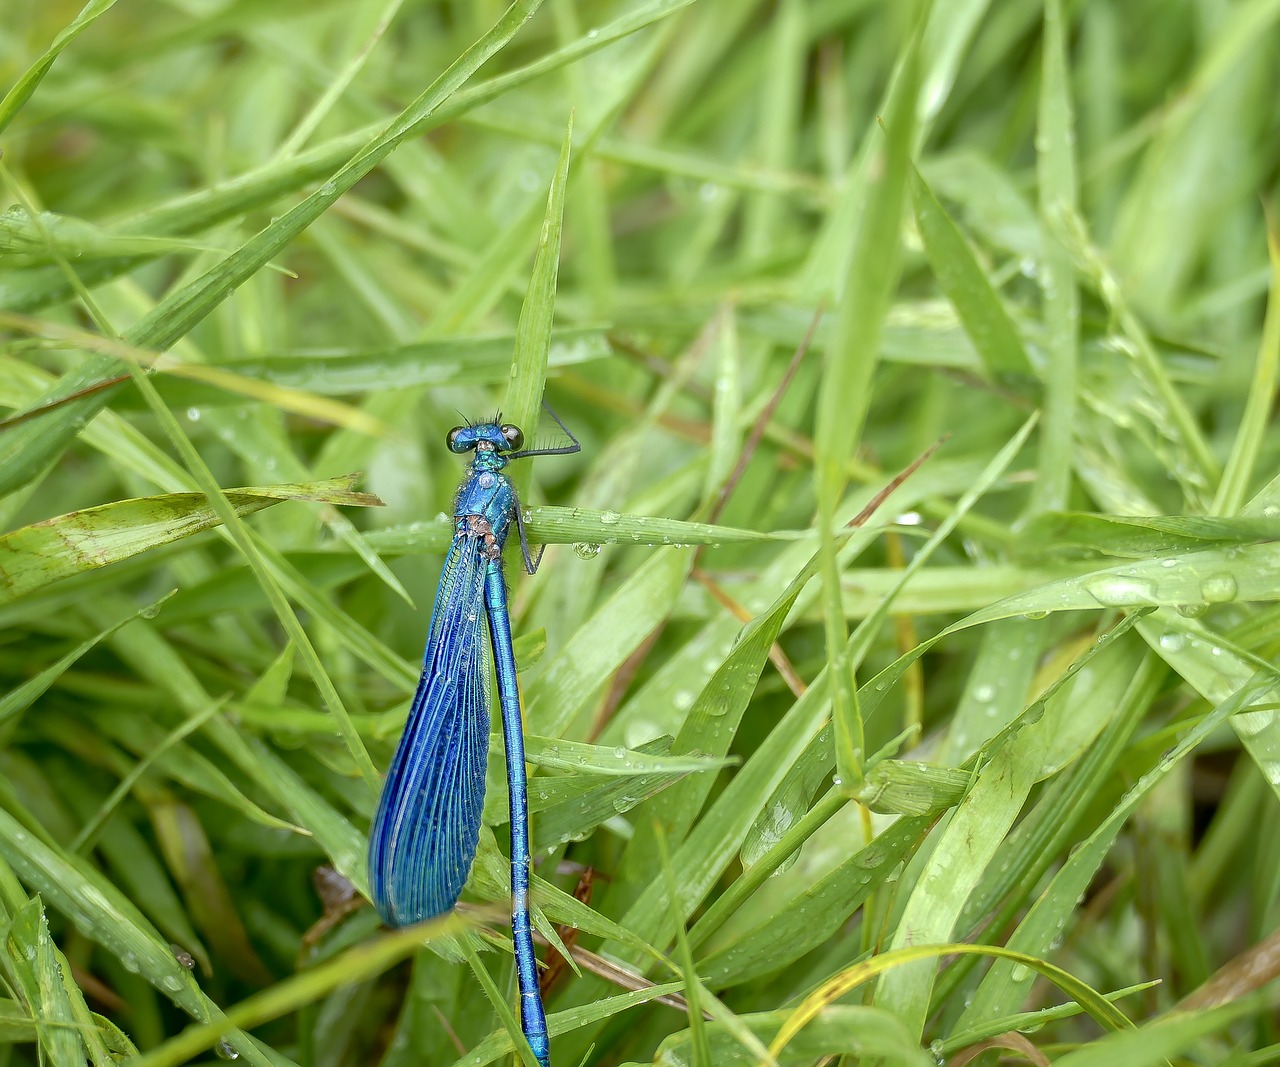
(979, 762)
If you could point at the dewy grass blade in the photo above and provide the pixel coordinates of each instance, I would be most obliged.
(967, 286)
(18, 699)
(1239, 470)
(37, 966)
(1056, 172)
(533, 333)
(872, 276)
(35, 556)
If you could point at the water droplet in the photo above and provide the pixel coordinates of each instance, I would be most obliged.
(1035, 615)
(1117, 591)
(586, 550)
(226, 1051)
(1192, 610)
(193, 414)
(609, 518)
(1218, 589)
(1172, 642)
(984, 693)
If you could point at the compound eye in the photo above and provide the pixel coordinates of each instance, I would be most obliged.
(451, 440)
(513, 436)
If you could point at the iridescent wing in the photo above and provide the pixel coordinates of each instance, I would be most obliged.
(425, 833)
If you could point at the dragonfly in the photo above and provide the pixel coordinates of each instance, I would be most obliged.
(427, 826)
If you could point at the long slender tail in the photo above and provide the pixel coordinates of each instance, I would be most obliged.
(533, 1019)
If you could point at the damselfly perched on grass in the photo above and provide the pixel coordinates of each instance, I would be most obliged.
(425, 833)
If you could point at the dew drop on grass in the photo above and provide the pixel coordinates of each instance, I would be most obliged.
(586, 550)
(1172, 642)
(609, 518)
(1218, 589)
(1113, 591)
(226, 1051)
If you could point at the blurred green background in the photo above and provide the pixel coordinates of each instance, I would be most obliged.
(266, 244)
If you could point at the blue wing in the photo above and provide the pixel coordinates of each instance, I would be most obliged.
(424, 836)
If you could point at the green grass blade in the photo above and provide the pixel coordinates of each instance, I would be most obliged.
(26, 85)
(35, 556)
(968, 288)
(1233, 489)
(533, 333)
